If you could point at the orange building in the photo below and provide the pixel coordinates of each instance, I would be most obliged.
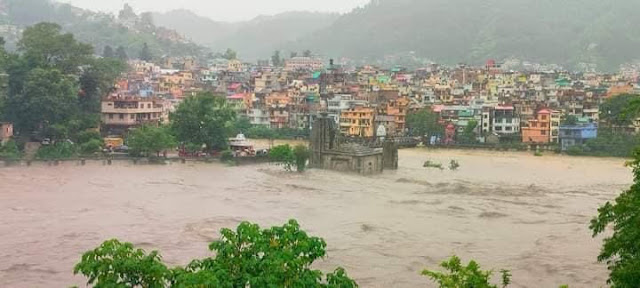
(357, 121)
(620, 89)
(538, 130)
(398, 110)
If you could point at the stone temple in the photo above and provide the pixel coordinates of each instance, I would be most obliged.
(329, 152)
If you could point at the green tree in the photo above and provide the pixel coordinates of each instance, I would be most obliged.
(283, 155)
(306, 53)
(121, 54)
(293, 54)
(116, 264)
(97, 80)
(145, 53)
(620, 110)
(468, 136)
(424, 123)
(275, 59)
(240, 125)
(230, 54)
(108, 52)
(43, 45)
(621, 250)
(203, 120)
(47, 98)
(301, 154)
(247, 257)
(148, 140)
(460, 276)
(9, 150)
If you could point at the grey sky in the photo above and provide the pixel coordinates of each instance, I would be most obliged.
(223, 10)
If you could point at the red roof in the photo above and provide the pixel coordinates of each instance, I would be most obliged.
(544, 111)
(234, 86)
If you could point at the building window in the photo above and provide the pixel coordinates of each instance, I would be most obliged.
(149, 106)
(141, 106)
(132, 116)
(508, 128)
(121, 116)
(110, 116)
(543, 132)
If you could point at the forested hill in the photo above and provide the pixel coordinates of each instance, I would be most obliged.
(99, 29)
(452, 31)
(253, 39)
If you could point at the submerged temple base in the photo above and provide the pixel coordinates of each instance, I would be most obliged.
(328, 153)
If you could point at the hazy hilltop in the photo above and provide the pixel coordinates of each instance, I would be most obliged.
(99, 29)
(253, 39)
(452, 31)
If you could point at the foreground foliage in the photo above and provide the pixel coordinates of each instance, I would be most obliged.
(469, 276)
(621, 250)
(247, 257)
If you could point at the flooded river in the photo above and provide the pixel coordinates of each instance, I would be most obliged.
(514, 211)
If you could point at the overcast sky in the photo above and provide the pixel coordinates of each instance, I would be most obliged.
(223, 10)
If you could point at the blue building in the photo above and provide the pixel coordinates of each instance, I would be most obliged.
(572, 135)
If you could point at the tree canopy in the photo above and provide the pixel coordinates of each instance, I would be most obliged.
(48, 98)
(424, 123)
(148, 140)
(203, 120)
(247, 257)
(621, 250)
(461, 276)
(45, 46)
(145, 53)
(108, 52)
(55, 83)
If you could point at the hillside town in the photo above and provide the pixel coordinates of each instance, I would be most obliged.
(495, 104)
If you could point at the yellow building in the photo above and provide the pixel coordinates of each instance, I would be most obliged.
(357, 121)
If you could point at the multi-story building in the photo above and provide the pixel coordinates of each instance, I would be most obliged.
(258, 117)
(358, 121)
(577, 134)
(538, 130)
(303, 63)
(339, 103)
(122, 113)
(555, 126)
(505, 120)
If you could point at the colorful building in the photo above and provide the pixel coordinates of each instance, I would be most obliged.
(358, 121)
(577, 134)
(538, 130)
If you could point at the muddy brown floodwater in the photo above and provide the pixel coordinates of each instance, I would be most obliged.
(515, 211)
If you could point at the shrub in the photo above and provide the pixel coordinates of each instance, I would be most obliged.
(91, 147)
(226, 156)
(10, 150)
(87, 136)
(283, 155)
(302, 154)
(59, 150)
(458, 276)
